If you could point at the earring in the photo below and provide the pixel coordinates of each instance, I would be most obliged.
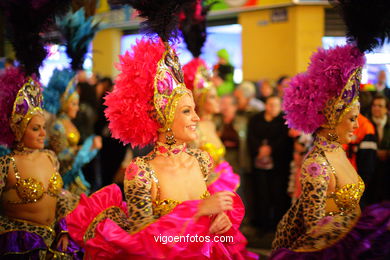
(332, 136)
(170, 138)
(19, 146)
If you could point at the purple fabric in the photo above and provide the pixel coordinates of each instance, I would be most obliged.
(20, 241)
(73, 248)
(369, 239)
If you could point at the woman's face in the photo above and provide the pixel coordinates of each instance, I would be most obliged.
(348, 124)
(185, 121)
(211, 103)
(73, 107)
(378, 108)
(34, 136)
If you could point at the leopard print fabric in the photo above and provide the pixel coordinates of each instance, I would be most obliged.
(65, 203)
(4, 166)
(306, 226)
(138, 184)
(115, 214)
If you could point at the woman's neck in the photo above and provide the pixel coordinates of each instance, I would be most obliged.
(22, 150)
(206, 117)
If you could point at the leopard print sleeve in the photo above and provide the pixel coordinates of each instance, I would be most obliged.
(53, 159)
(137, 186)
(205, 161)
(4, 164)
(315, 180)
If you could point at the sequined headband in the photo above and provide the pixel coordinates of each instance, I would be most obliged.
(28, 103)
(69, 94)
(337, 107)
(169, 87)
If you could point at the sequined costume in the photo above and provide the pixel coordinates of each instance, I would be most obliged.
(64, 136)
(72, 157)
(22, 237)
(197, 78)
(325, 222)
(18, 236)
(77, 30)
(133, 231)
(142, 104)
(222, 176)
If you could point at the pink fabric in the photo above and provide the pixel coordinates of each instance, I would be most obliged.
(227, 179)
(112, 242)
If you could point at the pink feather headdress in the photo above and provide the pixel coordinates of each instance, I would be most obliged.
(145, 94)
(320, 96)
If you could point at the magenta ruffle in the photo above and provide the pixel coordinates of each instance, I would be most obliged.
(226, 180)
(369, 239)
(111, 241)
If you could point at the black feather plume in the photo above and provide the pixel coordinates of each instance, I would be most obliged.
(193, 25)
(26, 20)
(367, 21)
(162, 16)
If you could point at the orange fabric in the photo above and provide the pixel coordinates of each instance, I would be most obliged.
(365, 128)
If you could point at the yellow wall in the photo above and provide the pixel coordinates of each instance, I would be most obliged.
(106, 48)
(272, 2)
(283, 48)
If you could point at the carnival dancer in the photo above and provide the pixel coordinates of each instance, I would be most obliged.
(326, 222)
(33, 203)
(62, 99)
(166, 194)
(197, 79)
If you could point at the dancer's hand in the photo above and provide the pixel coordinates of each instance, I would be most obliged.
(217, 203)
(221, 224)
(63, 242)
(97, 143)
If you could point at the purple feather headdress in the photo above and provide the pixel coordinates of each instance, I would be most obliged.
(309, 102)
(11, 81)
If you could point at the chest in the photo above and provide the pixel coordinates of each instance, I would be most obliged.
(39, 168)
(344, 173)
(175, 183)
(71, 132)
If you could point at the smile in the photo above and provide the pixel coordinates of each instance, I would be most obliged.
(192, 127)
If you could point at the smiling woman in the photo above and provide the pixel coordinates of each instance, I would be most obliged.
(166, 190)
(326, 221)
(33, 203)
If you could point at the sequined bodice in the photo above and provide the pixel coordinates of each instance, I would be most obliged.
(30, 190)
(72, 134)
(160, 206)
(73, 138)
(163, 207)
(348, 196)
(217, 153)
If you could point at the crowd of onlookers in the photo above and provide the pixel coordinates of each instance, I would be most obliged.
(259, 145)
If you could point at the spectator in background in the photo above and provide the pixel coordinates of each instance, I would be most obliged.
(378, 188)
(265, 90)
(271, 149)
(381, 84)
(113, 152)
(245, 94)
(223, 73)
(281, 84)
